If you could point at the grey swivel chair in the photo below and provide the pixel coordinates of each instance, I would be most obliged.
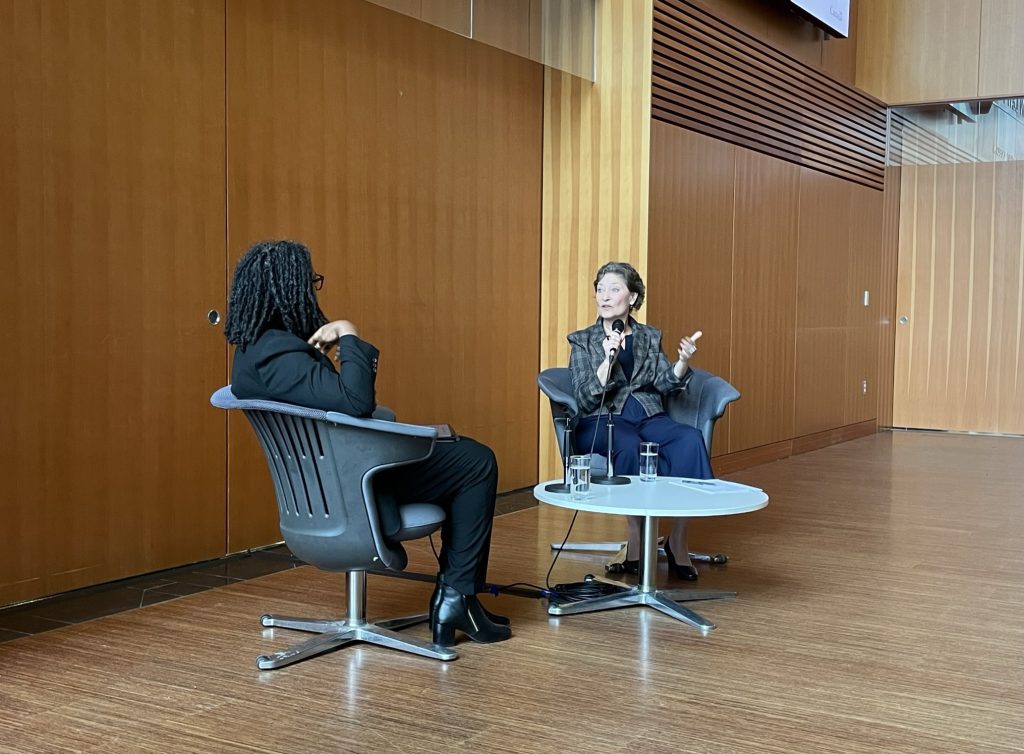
(322, 464)
(702, 404)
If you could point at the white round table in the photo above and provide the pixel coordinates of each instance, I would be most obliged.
(666, 497)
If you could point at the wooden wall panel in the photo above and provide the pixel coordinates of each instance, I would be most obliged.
(506, 24)
(1007, 291)
(764, 292)
(689, 281)
(863, 355)
(822, 309)
(718, 80)
(409, 160)
(112, 203)
(596, 183)
(919, 50)
(772, 23)
(1001, 63)
(886, 298)
(838, 55)
(772, 259)
(958, 359)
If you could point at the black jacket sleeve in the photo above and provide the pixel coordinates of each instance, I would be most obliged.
(282, 367)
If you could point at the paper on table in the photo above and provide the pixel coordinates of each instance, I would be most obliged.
(445, 432)
(714, 486)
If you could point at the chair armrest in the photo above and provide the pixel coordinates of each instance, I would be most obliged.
(379, 425)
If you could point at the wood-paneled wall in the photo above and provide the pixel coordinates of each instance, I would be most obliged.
(408, 159)
(766, 230)
(771, 261)
(112, 207)
(1001, 51)
(959, 362)
(596, 182)
(143, 146)
(790, 33)
(889, 252)
(557, 33)
(940, 50)
(723, 82)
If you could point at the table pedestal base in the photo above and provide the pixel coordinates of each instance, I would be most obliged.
(665, 600)
(646, 592)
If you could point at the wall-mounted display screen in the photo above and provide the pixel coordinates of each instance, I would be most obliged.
(832, 15)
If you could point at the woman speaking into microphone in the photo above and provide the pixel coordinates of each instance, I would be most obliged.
(620, 359)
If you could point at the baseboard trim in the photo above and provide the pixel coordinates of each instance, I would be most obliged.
(776, 451)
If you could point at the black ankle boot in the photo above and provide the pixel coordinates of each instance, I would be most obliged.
(465, 613)
(435, 599)
(685, 572)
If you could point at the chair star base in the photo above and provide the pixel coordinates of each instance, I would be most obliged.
(664, 600)
(338, 633)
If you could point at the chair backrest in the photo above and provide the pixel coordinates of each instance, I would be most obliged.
(702, 403)
(556, 384)
(322, 464)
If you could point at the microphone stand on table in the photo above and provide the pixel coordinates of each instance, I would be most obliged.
(609, 477)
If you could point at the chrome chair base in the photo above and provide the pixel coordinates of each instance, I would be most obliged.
(338, 633)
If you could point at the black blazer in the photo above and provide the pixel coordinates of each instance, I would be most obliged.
(280, 366)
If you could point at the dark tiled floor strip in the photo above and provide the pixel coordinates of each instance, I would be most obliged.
(106, 599)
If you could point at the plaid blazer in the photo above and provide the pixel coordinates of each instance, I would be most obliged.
(652, 373)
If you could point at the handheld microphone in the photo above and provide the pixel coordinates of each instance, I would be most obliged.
(617, 326)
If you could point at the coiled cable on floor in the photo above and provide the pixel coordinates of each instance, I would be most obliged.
(574, 591)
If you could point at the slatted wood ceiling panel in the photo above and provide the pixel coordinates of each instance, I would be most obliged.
(708, 76)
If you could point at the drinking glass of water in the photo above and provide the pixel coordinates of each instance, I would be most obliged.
(648, 461)
(579, 477)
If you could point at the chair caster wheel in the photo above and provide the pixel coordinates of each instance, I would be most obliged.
(719, 559)
(267, 621)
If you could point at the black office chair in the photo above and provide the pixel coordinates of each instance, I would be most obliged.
(702, 404)
(323, 464)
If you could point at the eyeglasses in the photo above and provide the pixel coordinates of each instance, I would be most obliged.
(318, 281)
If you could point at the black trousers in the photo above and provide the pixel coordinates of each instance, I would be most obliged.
(462, 478)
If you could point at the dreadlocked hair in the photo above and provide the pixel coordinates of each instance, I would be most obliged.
(272, 286)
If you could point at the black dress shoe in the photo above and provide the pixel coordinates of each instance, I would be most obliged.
(685, 572)
(465, 613)
(435, 599)
(626, 566)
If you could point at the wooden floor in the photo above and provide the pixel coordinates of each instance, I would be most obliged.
(880, 609)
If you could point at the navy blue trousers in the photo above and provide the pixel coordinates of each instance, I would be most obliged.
(681, 450)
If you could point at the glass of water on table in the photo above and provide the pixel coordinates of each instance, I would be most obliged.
(648, 461)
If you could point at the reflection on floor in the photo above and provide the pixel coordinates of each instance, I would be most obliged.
(128, 594)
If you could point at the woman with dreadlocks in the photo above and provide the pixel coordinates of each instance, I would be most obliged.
(282, 344)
